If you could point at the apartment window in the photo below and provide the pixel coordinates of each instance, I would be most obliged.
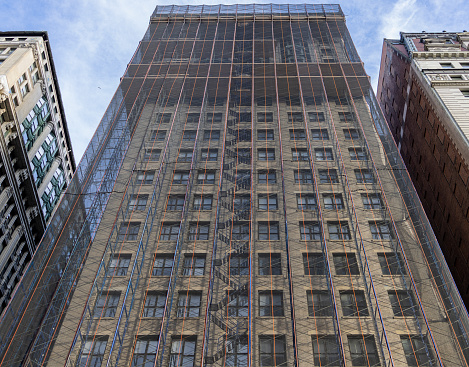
(346, 264)
(267, 177)
(182, 352)
(199, 231)
(203, 202)
(106, 305)
(364, 176)
(189, 304)
(446, 65)
(128, 231)
(145, 352)
(212, 135)
(357, 154)
(185, 156)
(326, 351)
(238, 307)
(346, 117)
(93, 352)
(163, 118)
(314, 264)
(175, 202)
(194, 265)
(402, 303)
(264, 101)
(339, 231)
(353, 303)
(210, 155)
(333, 201)
(180, 177)
(300, 154)
(138, 202)
(328, 176)
(158, 135)
(303, 176)
(380, 231)
(265, 134)
(297, 134)
(319, 303)
(351, 134)
(240, 231)
(152, 154)
(169, 231)
(465, 65)
(154, 304)
(265, 117)
(268, 231)
(391, 263)
(206, 177)
(245, 117)
(465, 93)
(267, 202)
(272, 350)
(417, 350)
(316, 116)
(119, 264)
(163, 265)
(270, 303)
(24, 90)
(306, 202)
(266, 154)
(193, 118)
(189, 135)
(372, 201)
(270, 264)
(323, 154)
(310, 231)
(237, 352)
(363, 350)
(145, 177)
(214, 117)
(295, 117)
(22, 78)
(239, 265)
(241, 202)
(319, 134)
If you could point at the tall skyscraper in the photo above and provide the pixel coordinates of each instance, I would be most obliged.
(242, 203)
(36, 160)
(424, 92)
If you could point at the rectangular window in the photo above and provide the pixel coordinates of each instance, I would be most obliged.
(158, 135)
(303, 176)
(210, 155)
(446, 65)
(465, 65)
(199, 231)
(106, 304)
(363, 350)
(297, 134)
(328, 176)
(270, 303)
(240, 231)
(265, 117)
(175, 202)
(465, 92)
(319, 134)
(314, 264)
(267, 202)
(244, 117)
(266, 154)
(203, 202)
(193, 118)
(339, 231)
(169, 231)
(310, 231)
(239, 264)
(353, 303)
(323, 154)
(93, 352)
(372, 201)
(300, 154)
(267, 177)
(264, 101)
(152, 155)
(306, 202)
(145, 351)
(357, 154)
(185, 156)
(333, 202)
(236, 351)
(189, 304)
(182, 352)
(417, 350)
(194, 265)
(319, 303)
(295, 117)
(403, 303)
(214, 118)
(326, 351)
(265, 134)
(346, 117)
(24, 90)
(380, 231)
(346, 264)
(138, 202)
(391, 263)
(189, 135)
(364, 176)
(239, 306)
(145, 177)
(180, 177)
(272, 350)
(128, 231)
(154, 304)
(351, 134)
(212, 135)
(163, 265)
(268, 231)
(316, 116)
(119, 264)
(163, 118)
(270, 264)
(206, 177)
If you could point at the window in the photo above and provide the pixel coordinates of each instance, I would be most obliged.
(268, 231)
(300, 154)
(175, 202)
(145, 177)
(270, 264)
(267, 177)
(357, 154)
(265, 117)
(372, 201)
(351, 134)
(203, 202)
(339, 231)
(391, 263)
(316, 116)
(333, 202)
(314, 264)
(210, 155)
(326, 351)
(346, 264)
(93, 352)
(328, 176)
(310, 231)
(128, 231)
(364, 176)
(163, 118)
(306, 202)
(214, 117)
(169, 231)
(323, 154)
(319, 134)
(465, 65)
(245, 117)
(297, 134)
(264, 101)
(303, 176)
(189, 135)
(417, 350)
(402, 303)
(353, 303)
(206, 177)
(241, 202)
(145, 351)
(237, 352)
(185, 156)
(212, 135)
(189, 304)
(272, 350)
(265, 134)
(240, 231)
(346, 116)
(465, 93)
(266, 154)
(239, 264)
(363, 350)
(193, 118)
(270, 303)
(380, 231)
(182, 352)
(446, 65)
(24, 90)
(268, 202)
(163, 265)
(152, 154)
(319, 303)
(158, 135)
(138, 202)
(106, 305)
(194, 265)
(199, 231)
(180, 177)
(154, 304)
(22, 78)
(119, 264)
(295, 117)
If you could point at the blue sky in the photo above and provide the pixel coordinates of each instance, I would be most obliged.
(93, 40)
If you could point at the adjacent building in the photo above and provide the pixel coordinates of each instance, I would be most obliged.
(242, 203)
(424, 93)
(36, 161)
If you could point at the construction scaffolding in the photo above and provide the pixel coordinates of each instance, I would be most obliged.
(242, 203)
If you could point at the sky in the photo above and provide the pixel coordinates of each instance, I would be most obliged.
(93, 40)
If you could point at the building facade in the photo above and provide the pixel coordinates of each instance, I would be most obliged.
(36, 160)
(424, 92)
(242, 203)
